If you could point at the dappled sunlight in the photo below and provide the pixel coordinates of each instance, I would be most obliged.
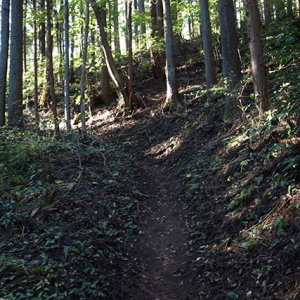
(165, 148)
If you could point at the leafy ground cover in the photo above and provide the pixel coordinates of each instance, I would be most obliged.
(161, 206)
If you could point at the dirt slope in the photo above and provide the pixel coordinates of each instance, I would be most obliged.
(162, 262)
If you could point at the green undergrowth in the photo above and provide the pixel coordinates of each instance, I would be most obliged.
(244, 188)
(67, 216)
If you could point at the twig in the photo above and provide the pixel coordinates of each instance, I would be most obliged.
(79, 160)
(104, 158)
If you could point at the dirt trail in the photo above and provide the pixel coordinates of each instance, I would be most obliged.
(162, 248)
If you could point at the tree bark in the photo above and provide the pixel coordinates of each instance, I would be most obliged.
(117, 79)
(35, 58)
(141, 5)
(72, 71)
(15, 97)
(160, 18)
(171, 103)
(84, 61)
(210, 72)
(289, 8)
(136, 26)
(67, 64)
(42, 34)
(25, 39)
(105, 88)
(157, 63)
(279, 10)
(116, 26)
(268, 13)
(4, 57)
(256, 52)
(231, 60)
(132, 98)
(50, 67)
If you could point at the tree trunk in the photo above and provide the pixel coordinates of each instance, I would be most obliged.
(72, 71)
(231, 60)
(136, 26)
(109, 28)
(3, 57)
(42, 34)
(45, 97)
(25, 39)
(160, 18)
(126, 23)
(15, 97)
(210, 72)
(113, 72)
(141, 5)
(280, 10)
(67, 64)
(157, 63)
(256, 52)
(105, 88)
(116, 26)
(289, 8)
(132, 98)
(35, 58)
(268, 13)
(84, 61)
(171, 103)
(50, 67)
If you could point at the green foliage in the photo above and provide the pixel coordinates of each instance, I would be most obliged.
(23, 161)
(280, 53)
(72, 245)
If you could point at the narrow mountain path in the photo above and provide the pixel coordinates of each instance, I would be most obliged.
(161, 251)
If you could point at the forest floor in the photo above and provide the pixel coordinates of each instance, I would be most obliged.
(153, 205)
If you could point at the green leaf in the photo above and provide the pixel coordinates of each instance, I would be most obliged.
(233, 294)
(66, 251)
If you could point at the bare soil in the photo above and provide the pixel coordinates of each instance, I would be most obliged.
(162, 249)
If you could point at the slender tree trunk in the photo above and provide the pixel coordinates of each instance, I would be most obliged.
(126, 24)
(45, 97)
(160, 18)
(50, 66)
(280, 10)
(141, 5)
(109, 25)
(84, 61)
(256, 52)
(113, 72)
(157, 63)
(35, 58)
(105, 88)
(116, 26)
(211, 77)
(136, 26)
(231, 60)
(60, 42)
(130, 56)
(67, 64)
(15, 97)
(42, 34)
(289, 8)
(25, 39)
(268, 13)
(171, 101)
(72, 71)
(4, 57)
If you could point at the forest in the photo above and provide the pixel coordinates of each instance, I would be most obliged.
(150, 149)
